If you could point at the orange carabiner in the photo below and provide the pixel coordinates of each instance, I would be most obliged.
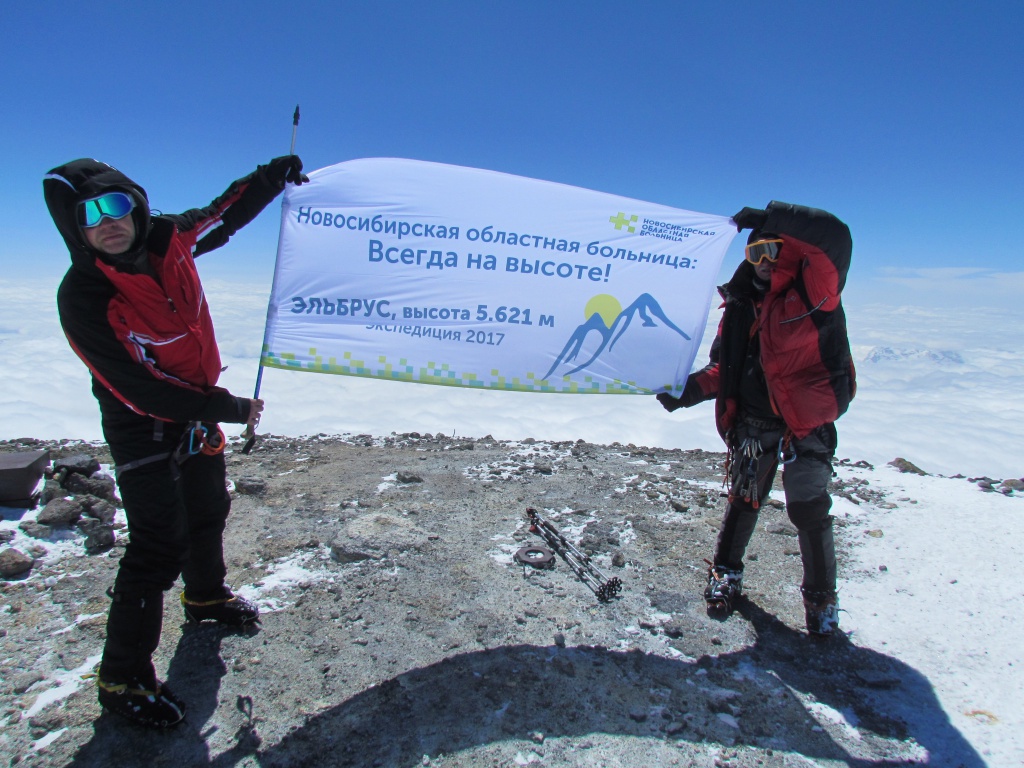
(215, 443)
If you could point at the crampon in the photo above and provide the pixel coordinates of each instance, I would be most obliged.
(724, 586)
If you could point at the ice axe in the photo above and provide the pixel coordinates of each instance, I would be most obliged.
(249, 433)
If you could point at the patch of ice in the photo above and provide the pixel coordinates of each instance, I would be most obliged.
(47, 740)
(81, 617)
(67, 682)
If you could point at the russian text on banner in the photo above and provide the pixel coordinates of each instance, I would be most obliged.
(422, 272)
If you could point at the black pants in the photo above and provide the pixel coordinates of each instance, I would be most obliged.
(805, 481)
(176, 518)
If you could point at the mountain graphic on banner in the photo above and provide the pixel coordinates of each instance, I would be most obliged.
(596, 338)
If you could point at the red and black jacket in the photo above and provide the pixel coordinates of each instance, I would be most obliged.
(798, 321)
(140, 320)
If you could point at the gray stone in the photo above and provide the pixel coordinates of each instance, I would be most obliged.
(877, 679)
(51, 490)
(35, 530)
(1014, 484)
(101, 509)
(673, 629)
(409, 477)
(14, 562)
(99, 485)
(25, 680)
(782, 529)
(906, 467)
(251, 486)
(373, 535)
(98, 535)
(60, 512)
(82, 464)
(6, 536)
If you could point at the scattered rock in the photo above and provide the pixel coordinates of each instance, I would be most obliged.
(98, 535)
(101, 509)
(51, 490)
(251, 486)
(782, 529)
(35, 530)
(60, 512)
(374, 535)
(408, 477)
(907, 467)
(673, 629)
(82, 464)
(14, 562)
(99, 485)
(25, 680)
(874, 678)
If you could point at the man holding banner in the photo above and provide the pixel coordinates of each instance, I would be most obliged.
(781, 373)
(133, 309)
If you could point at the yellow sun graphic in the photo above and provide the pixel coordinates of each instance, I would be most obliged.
(608, 307)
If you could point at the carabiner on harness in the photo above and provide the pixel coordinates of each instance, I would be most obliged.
(784, 446)
(199, 438)
(749, 454)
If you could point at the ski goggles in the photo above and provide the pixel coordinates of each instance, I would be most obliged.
(113, 205)
(763, 249)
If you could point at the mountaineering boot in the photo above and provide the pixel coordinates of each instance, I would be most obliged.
(821, 612)
(149, 704)
(230, 609)
(724, 586)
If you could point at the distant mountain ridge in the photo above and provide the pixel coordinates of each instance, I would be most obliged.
(892, 354)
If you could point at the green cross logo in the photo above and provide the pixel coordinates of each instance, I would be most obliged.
(620, 221)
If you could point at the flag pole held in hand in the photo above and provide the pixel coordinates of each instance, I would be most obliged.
(249, 433)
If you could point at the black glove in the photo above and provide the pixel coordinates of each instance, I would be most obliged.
(668, 402)
(285, 169)
(750, 218)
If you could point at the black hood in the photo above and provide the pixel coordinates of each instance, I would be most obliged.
(67, 185)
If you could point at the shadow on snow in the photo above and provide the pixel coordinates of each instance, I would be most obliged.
(756, 696)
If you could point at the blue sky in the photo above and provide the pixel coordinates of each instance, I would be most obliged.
(902, 118)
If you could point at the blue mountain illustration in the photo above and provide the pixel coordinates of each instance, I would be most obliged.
(645, 306)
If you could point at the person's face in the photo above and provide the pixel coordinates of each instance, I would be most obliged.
(111, 236)
(764, 270)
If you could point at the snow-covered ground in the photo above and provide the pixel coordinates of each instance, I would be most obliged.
(934, 584)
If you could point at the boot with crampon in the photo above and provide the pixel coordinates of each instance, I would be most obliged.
(225, 608)
(725, 585)
(821, 612)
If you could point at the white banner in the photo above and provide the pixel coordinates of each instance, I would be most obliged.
(415, 271)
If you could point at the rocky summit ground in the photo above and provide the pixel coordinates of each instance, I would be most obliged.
(398, 629)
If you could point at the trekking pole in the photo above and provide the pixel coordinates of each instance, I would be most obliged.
(295, 128)
(578, 561)
(249, 433)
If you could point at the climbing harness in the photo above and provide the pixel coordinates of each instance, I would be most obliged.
(200, 438)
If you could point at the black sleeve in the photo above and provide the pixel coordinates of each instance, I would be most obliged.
(140, 386)
(240, 203)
